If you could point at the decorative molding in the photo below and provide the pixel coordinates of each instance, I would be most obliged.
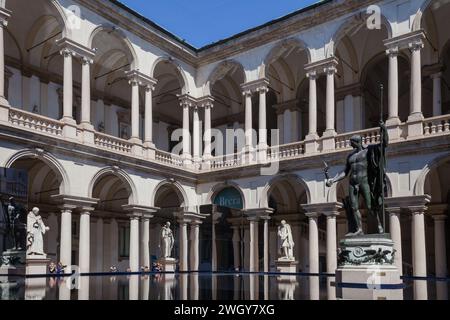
(5, 14)
(141, 79)
(412, 40)
(322, 66)
(255, 86)
(69, 46)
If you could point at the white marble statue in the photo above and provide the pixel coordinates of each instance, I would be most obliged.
(166, 241)
(285, 241)
(35, 233)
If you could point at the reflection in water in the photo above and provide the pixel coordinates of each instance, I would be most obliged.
(194, 286)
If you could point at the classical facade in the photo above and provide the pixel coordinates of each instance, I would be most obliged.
(92, 95)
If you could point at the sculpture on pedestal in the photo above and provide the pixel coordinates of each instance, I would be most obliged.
(166, 241)
(286, 241)
(366, 170)
(14, 225)
(35, 233)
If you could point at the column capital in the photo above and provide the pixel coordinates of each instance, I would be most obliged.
(70, 47)
(322, 66)
(142, 211)
(392, 51)
(258, 213)
(87, 60)
(409, 40)
(5, 14)
(138, 78)
(206, 102)
(327, 209)
(437, 209)
(418, 204)
(439, 217)
(311, 74)
(74, 202)
(255, 86)
(187, 101)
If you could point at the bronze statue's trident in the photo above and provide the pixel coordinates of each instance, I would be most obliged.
(325, 170)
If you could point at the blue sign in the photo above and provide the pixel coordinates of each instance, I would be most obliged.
(229, 198)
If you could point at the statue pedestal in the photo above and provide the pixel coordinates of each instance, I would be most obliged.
(366, 269)
(12, 262)
(37, 264)
(286, 266)
(168, 264)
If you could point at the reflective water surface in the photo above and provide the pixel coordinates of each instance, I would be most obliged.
(194, 286)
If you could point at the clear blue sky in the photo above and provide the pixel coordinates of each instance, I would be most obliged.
(201, 22)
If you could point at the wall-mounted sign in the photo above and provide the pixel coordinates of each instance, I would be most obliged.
(229, 198)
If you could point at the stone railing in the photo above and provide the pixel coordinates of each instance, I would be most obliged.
(436, 125)
(168, 158)
(226, 161)
(286, 151)
(35, 122)
(369, 136)
(105, 141)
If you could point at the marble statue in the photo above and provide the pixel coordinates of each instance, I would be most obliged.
(286, 241)
(166, 241)
(35, 233)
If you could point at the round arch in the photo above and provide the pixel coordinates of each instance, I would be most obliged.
(48, 159)
(119, 35)
(215, 190)
(417, 22)
(419, 186)
(119, 173)
(176, 187)
(179, 70)
(264, 201)
(220, 71)
(356, 21)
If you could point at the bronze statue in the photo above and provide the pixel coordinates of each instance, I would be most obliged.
(366, 169)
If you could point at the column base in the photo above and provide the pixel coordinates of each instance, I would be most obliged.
(69, 128)
(249, 155)
(311, 143)
(137, 149)
(168, 264)
(4, 110)
(150, 150)
(328, 140)
(262, 152)
(206, 163)
(393, 128)
(88, 133)
(415, 125)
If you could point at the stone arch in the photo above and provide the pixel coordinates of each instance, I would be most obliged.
(119, 173)
(48, 159)
(220, 71)
(357, 20)
(419, 186)
(106, 27)
(221, 186)
(281, 48)
(417, 22)
(176, 186)
(264, 200)
(179, 70)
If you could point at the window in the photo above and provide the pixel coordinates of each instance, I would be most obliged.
(124, 241)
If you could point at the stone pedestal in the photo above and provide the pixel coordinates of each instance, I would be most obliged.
(286, 266)
(366, 269)
(12, 262)
(37, 265)
(168, 264)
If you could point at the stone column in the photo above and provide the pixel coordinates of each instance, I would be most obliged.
(312, 104)
(437, 94)
(330, 104)
(253, 226)
(134, 242)
(84, 243)
(236, 248)
(208, 151)
(262, 117)
(331, 242)
(86, 93)
(313, 243)
(65, 255)
(396, 235)
(266, 244)
(148, 126)
(196, 135)
(4, 15)
(393, 85)
(146, 241)
(415, 126)
(186, 134)
(99, 245)
(134, 109)
(194, 235)
(183, 246)
(419, 252)
(68, 86)
(440, 255)
(248, 120)
(214, 246)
